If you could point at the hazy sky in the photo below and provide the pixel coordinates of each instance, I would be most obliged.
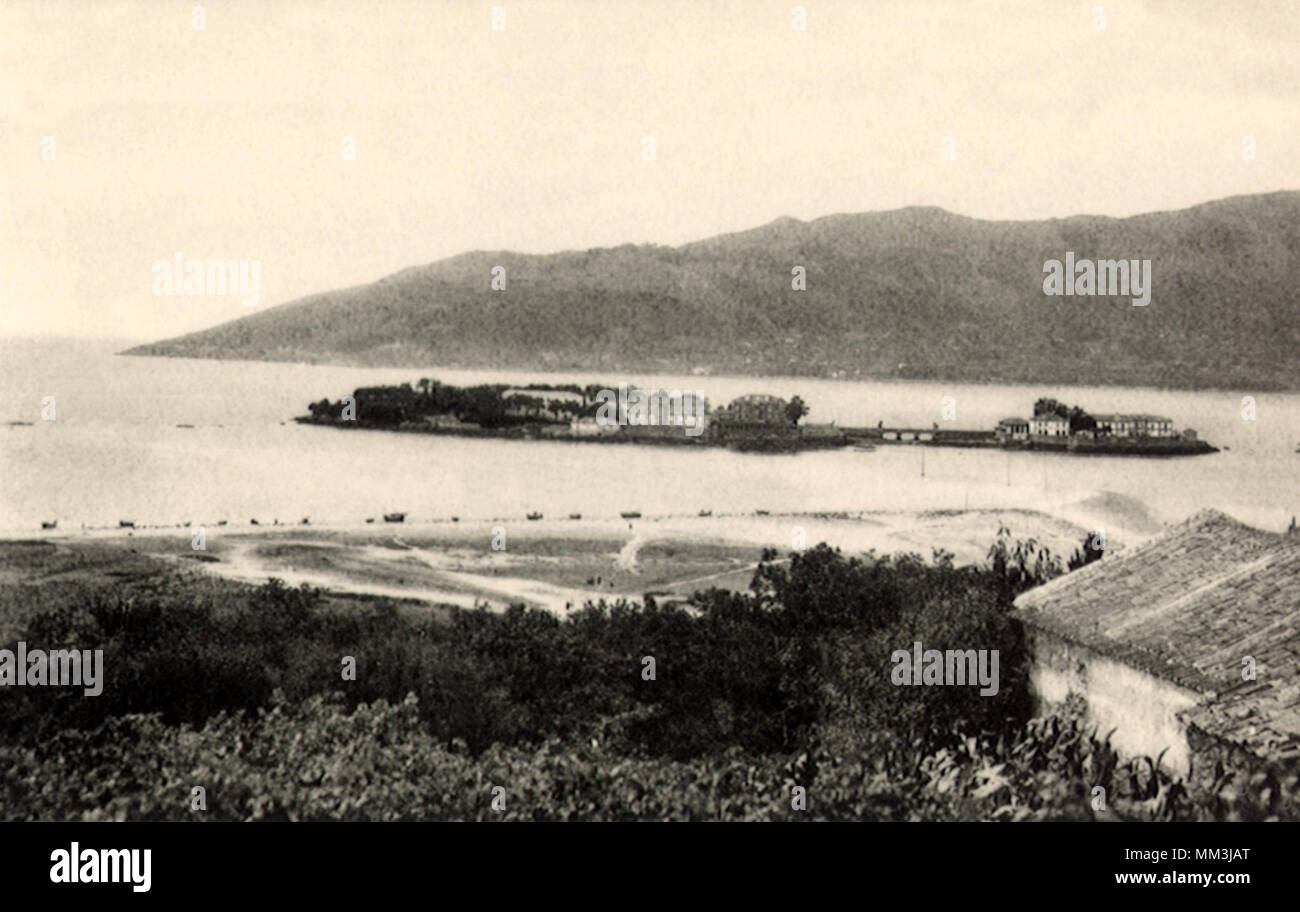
(228, 142)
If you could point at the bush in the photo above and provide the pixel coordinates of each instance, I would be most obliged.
(238, 690)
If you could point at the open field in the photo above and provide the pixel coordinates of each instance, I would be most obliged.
(554, 564)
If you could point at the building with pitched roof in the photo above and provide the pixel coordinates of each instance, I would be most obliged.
(1012, 429)
(1135, 425)
(1187, 645)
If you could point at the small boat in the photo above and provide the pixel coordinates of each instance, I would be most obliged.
(224, 522)
(19, 423)
(534, 516)
(370, 519)
(126, 523)
(253, 522)
(455, 519)
(631, 514)
(306, 521)
(185, 425)
(575, 516)
(54, 524)
(762, 513)
(706, 513)
(394, 517)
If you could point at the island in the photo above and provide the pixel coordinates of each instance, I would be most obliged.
(755, 422)
(595, 413)
(1059, 428)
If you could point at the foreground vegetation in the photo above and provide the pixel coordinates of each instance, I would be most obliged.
(774, 704)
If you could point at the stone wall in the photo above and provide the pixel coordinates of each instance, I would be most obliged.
(1141, 708)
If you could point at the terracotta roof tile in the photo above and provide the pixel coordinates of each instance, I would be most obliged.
(1189, 606)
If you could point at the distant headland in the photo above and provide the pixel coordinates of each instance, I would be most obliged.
(911, 294)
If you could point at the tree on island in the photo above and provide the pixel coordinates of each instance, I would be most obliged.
(1047, 406)
(1078, 418)
(795, 409)
(1081, 421)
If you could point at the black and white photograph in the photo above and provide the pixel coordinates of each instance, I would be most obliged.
(625, 412)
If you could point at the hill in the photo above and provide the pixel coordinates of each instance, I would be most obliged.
(917, 293)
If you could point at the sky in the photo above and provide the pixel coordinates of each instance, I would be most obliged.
(129, 135)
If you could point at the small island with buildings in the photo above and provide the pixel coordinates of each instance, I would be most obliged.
(595, 413)
(754, 422)
(1057, 427)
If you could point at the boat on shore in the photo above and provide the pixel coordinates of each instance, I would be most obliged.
(394, 517)
(631, 514)
(575, 516)
(53, 524)
(126, 523)
(534, 516)
(705, 513)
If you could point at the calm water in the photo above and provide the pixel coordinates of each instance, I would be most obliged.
(114, 450)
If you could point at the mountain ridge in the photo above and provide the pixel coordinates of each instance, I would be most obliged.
(910, 293)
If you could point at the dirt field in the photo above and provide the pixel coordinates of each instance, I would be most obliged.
(555, 564)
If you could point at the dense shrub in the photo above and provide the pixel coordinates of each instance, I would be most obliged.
(239, 691)
(317, 760)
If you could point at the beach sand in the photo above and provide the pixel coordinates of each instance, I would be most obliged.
(561, 564)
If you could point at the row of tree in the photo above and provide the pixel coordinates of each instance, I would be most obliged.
(485, 405)
(1078, 418)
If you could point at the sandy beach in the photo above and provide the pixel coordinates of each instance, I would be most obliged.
(561, 564)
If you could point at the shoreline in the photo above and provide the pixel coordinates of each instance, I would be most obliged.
(1106, 380)
(559, 565)
(859, 438)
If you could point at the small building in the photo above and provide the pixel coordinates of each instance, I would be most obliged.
(1116, 425)
(1012, 429)
(590, 427)
(754, 409)
(1050, 425)
(1187, 645)
(676, 408)
(384, 404)
(389, 395)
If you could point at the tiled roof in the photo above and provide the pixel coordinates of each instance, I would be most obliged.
(1189, 606)
(1140, 417)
